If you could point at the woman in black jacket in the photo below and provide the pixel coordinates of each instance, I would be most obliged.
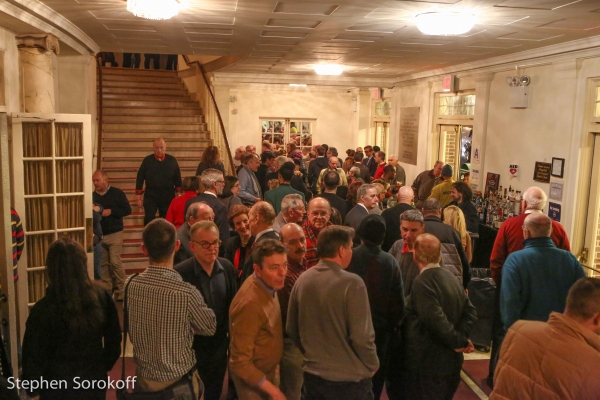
(73, 333)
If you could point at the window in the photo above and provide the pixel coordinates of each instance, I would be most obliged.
(383, 108)
(281, 131)
(456, 105)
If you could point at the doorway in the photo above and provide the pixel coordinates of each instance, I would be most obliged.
(382, 134)
(454, 148)
(590, 255)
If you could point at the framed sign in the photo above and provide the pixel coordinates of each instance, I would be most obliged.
(492, 183)
(558, 167)
(554, 211)
(541, 173)
(556, 191)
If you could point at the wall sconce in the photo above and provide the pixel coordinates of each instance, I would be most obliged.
(519, 91)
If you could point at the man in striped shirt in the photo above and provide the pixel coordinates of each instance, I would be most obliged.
(164, 314)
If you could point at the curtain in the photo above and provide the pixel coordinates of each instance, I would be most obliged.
(69, 140)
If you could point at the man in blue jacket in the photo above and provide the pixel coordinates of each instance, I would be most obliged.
(536, 280)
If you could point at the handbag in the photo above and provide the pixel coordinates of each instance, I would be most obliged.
(177, 391)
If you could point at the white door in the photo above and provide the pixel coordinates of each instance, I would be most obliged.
(590, 256)
(52, 186)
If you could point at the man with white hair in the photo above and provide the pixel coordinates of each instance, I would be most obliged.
(537, 279)
(292, 211)
(196, 212)
(508, 240)
(367, 199)
(332, 165)
(400, 174)
(237, 158)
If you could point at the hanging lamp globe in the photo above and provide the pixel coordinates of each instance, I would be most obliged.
(445, 23)
(153, 9)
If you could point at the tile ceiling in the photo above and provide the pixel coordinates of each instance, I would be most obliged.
(376, 38)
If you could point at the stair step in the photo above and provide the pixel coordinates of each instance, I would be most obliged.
(108, 91)
(148, 127)
(115, 176)
(131, 248)
(135, 145)
(145, 97)
(135, 162)
(118, 119)
(141, 78)
(133, 111)
(142, 85)
(135, 71)
(148, 137)
(164, 105)
(191, 153)
(134, 220)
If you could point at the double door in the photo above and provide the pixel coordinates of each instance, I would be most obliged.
(455, 148)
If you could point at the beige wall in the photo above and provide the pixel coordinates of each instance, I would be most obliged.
(336, 122)
(11, 71)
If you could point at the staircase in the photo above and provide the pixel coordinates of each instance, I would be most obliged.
(139, 106)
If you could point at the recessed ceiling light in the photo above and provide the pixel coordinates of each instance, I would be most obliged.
(445, 23)
(298, 84)
(151, 9)
(328, 69)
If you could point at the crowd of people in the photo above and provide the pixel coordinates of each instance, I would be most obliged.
(310, 277)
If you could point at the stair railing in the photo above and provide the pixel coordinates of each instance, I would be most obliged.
(99, 115)
(214, 122)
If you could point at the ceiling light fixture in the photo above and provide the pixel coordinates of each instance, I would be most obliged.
(298, 84)
(153, 9)
(328, 69)
(445, 23)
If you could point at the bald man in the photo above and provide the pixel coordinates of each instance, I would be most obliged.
(160, 172)
(319, 212)
(508, 240)
(391, 216)
(438, 321)
(537, 279)
(196, 212)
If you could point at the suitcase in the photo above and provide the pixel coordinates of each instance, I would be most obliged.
(482, 291)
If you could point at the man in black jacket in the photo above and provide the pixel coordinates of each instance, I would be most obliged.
(315, 167)
(113, 205)
(382, 278)
(453, 253)
(365, 174)
(332, 182)
(463, 195)
(214, 277)
(436, 329)
(161, 174)
(260, 218)
(213, 182)
(391, 216)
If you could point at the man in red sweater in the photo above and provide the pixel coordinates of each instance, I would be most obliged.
(380, 160)
(510, 239)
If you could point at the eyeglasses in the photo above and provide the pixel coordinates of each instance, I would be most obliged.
(207, 245)
(223, 182)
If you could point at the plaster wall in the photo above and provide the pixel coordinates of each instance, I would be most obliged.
(8, 45)
(336, 122)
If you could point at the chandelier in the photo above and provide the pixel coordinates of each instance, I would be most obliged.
(153, 9)
(328, 69)
(445, 23)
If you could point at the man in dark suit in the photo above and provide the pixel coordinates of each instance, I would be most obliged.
(367, 199)
(267, 160)
(315, 167)
(332, 181)
(381, 274)
(213, 182)
(436, 328)
(214, 277)
(365, 174)
(197, 212)
(260, 218)
(391, 216)
(369, 161)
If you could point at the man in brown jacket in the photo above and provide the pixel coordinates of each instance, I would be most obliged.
(255, 326)
(559, 359)
(424, 182)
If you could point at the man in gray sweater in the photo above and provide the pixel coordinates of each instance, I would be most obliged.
(330, 305)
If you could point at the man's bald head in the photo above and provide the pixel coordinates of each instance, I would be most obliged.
(427, 250)
(405, 195)
(535, 198)
(290, 228)
(199, 211)
(537, 225)
(159, 147)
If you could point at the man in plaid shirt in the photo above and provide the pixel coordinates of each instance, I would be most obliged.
(164, 313)
(319, 212)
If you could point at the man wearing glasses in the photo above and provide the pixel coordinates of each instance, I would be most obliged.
(213, 182)
(214, 277)
(319, 212)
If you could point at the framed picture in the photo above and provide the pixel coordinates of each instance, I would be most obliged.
(558, 167)
(541, 172)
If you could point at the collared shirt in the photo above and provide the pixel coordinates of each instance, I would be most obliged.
(430, 266)
(259, 234)
(103, 193)
(209, 192)
(161, 158)
(214, 291)
(263, 285)
(365, 207)
(311, 243)
(163, 307)
(294, 270)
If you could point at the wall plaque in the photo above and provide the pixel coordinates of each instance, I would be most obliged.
(541, 173)
(554, 211)
(409, 134)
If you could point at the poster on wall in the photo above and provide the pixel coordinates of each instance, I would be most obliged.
(492, 183)
(541, 173)
(474, 180)
(554, 211)
(409, 134)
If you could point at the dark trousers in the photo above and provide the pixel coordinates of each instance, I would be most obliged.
(155, 58)
(131, 60)
(172, 62)
(498, 334)
(211, 357)
(317, 388)
(382, 340)
(150, 208)
(423, 387)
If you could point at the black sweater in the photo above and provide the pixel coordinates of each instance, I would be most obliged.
(116, 201)
(162, 178)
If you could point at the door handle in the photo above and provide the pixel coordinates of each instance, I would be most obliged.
(583, 257)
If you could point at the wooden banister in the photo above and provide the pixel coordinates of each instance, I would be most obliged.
(99, 115)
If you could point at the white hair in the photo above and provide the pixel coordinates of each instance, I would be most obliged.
(535, 198)
(291, 201)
